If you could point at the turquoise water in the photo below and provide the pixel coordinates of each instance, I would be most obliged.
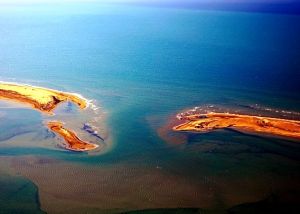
(144, 64)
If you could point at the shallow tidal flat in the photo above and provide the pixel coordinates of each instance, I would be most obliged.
(213, 171)
(75, 188)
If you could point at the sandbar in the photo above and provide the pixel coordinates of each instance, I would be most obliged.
(247, 123)
(46, 100)
(73, 142)
(42, 99)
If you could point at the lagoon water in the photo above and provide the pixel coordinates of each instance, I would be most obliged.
(142, 65)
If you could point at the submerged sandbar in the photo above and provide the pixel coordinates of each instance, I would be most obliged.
(247, 123)
(73, 142)
(39, 98)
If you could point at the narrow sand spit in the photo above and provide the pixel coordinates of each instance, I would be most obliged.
(247, 123)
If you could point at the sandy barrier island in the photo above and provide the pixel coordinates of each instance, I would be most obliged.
(244, 123)
(39, 98)
(46, 100)
(74, 143)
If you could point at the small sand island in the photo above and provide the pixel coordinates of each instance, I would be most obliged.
(46, 100)
(244, 123)
(73, 142)
(39, 98)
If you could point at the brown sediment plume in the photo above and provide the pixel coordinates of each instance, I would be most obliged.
(164, 132)
(73, 142)
(67, 187)
(247, 123)
(39, 98)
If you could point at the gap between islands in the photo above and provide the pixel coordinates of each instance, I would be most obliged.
(46, 100)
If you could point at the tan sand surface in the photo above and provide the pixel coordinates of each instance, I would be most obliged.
(73, 142)
(39, 98)
(46, 100)
(248, 123)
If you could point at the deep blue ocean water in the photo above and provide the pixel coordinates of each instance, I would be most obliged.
(143, 64)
